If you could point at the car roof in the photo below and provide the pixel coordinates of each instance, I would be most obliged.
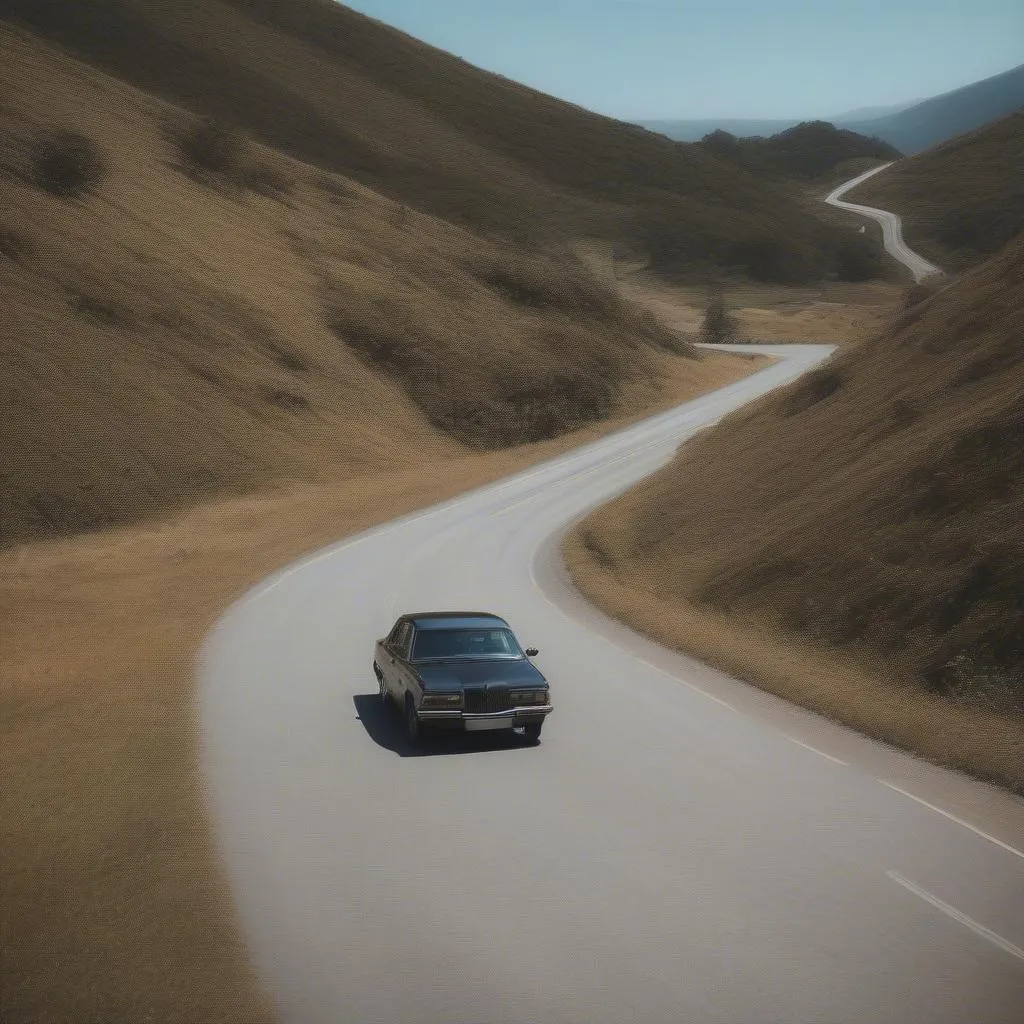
(455, 620)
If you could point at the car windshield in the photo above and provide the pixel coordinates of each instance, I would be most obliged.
(432, 644)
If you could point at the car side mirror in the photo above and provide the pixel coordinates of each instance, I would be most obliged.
(531, 651)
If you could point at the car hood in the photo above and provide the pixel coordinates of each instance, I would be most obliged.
(453, 675)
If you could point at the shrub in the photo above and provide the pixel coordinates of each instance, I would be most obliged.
(547, 285)
(288, 400)
(971, 680)
(212, 146)
(14, 246)
(719, 326)
(67, 164)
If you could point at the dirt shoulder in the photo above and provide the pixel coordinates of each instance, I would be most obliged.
(984, 744)
(852, 541)
(113, 904)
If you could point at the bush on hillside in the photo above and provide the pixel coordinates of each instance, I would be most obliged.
(208, 145)
(14, 246)
(970, 679)
(67, 164)
(719, 325)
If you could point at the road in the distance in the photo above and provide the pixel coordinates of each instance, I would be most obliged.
(680, 847)
(892, 231)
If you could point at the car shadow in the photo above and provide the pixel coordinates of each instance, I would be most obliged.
(385, 726)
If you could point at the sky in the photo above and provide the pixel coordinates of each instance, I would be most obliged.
(653, 59)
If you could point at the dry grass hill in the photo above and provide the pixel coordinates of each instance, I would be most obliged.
(217, 357)
(178, 334)
(962, 200)
(341, 91)
(870, 512)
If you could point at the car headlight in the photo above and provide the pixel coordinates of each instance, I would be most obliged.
(528, 697)
(441, 700)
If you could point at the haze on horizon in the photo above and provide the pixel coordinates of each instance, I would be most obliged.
(662, 59)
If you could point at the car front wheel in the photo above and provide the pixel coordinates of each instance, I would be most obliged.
(384, 698)
(532, 731)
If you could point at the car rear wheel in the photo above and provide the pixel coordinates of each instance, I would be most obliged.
(412, 722)
(384, 698)
(532, 731)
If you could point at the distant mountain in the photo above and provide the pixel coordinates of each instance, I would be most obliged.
(867, 113)
(910, 127)
(952, 113)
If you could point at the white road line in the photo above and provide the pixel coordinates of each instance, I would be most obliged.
(953, 817)
(676, 679)
(958, 916)
(815, 750)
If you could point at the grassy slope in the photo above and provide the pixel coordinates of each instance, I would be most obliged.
(166, 340)
(870, 511)
(152, 335)
(962, 200)
(334, 88)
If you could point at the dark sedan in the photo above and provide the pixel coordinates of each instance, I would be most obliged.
(460, 670)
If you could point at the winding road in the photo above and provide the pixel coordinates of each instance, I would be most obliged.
(892, 229)
(680, 847)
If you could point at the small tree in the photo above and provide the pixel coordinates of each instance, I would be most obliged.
(719, 326)
(67, 163)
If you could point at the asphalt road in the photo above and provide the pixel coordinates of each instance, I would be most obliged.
(679, 848)
(892, 230)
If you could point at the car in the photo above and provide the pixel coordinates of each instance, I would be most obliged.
(460, 671)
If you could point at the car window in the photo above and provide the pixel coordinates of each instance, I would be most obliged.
(401, 643)
(465, 643)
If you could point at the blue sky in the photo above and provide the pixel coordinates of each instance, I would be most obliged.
(637, 59)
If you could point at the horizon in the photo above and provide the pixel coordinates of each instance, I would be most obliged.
(640, 60)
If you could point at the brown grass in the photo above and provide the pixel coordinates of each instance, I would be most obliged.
(868, 514)
(834, 313)
(170, 337)
(960, 201)
(113, 906)
(174, 371)
(339, 90)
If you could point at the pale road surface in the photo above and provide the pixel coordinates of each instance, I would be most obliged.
(679, 849)
(892, 230)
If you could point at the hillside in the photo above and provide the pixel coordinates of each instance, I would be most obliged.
(231, 358)
(151, 360)
(343, 92)
(952, 113)
(807, 150)
(962, 200)
(869, 512)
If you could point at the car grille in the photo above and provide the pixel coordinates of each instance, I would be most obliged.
(485, 701)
